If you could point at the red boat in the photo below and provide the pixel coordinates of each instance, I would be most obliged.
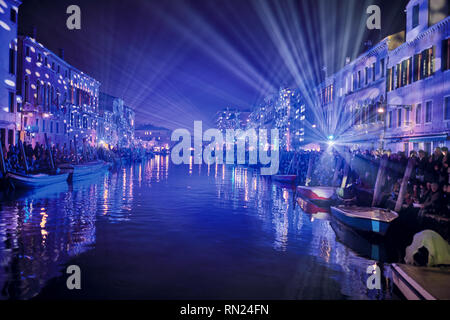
(316, 193)
(316, 211)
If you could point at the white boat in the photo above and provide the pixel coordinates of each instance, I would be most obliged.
(422, 283)
(80, 171)
(373, 220)
(30, 181)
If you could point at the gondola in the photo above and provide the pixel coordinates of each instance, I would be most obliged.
(370, 220)
(31, 181)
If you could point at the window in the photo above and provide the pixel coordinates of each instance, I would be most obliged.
(399, 117)
(428, 111)
(415, 16)
(382, 67)
(57, 127)
(51, 126)
(419, 114)
(427, 63)
(11, 102)
(406, 148)
(416, 146)
(446, 54)
(373, 71)
(12, 60)
(390, 80)
(407, 115)
(13, 15)
(359, 79)
(27, 51)
(390, 116)
(37, 125)
(447, 108)
(43, 125)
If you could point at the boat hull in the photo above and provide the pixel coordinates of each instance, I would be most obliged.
(285, 178)
(360, 219)
(36, 181)
(316, 193)
(79, 172)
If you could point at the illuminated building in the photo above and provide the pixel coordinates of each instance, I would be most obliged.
(418, 81)
(9, 119)
(55, 98)
(153, 137)
(396, 94)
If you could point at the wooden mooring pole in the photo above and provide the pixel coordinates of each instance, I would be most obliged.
(404, 186)
(381, 179)
(310, 168)
(336, 171)
(24, 156)
(50, 153)
(348, 159)
(2, 160)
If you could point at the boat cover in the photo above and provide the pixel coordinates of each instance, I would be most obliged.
(438, 248)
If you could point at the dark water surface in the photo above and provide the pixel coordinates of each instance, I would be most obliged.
(159, 231)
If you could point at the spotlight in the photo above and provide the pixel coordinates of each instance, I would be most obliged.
(331, 137)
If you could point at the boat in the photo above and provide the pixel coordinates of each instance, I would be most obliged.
(80, 171)
(365, 219)
(422, 283)
(316, 193)
(285, 178)
(30, 181)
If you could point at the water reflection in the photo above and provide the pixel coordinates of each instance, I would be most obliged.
(164, 231)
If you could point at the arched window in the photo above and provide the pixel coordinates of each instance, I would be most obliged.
(26, 89)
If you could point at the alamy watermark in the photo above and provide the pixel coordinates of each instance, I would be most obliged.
(73, 22)
(260, 150)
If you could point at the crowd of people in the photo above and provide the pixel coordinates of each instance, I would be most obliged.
(40, 159)
(428, 187)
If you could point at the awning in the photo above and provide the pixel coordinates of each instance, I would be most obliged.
(442, 137)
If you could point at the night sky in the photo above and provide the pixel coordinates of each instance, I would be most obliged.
(176, 61)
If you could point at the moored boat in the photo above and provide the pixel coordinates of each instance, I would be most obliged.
(80, 171)
(422, 283)
(366, 219)
(285, 178)
(30, 181)
(316, 193)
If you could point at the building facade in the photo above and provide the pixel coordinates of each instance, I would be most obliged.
(9, 117)
(418, 81)
(395, 95)
(116, 122)
(55, 99)
(153, 137)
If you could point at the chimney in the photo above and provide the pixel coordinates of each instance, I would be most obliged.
(34, 32)
(368, 45)
(61, 53)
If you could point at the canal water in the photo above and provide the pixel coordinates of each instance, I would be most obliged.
(159, 231)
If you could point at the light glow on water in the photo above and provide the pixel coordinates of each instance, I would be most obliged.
(197, 235)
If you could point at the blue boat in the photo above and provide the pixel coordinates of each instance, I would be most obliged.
(365, 219)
